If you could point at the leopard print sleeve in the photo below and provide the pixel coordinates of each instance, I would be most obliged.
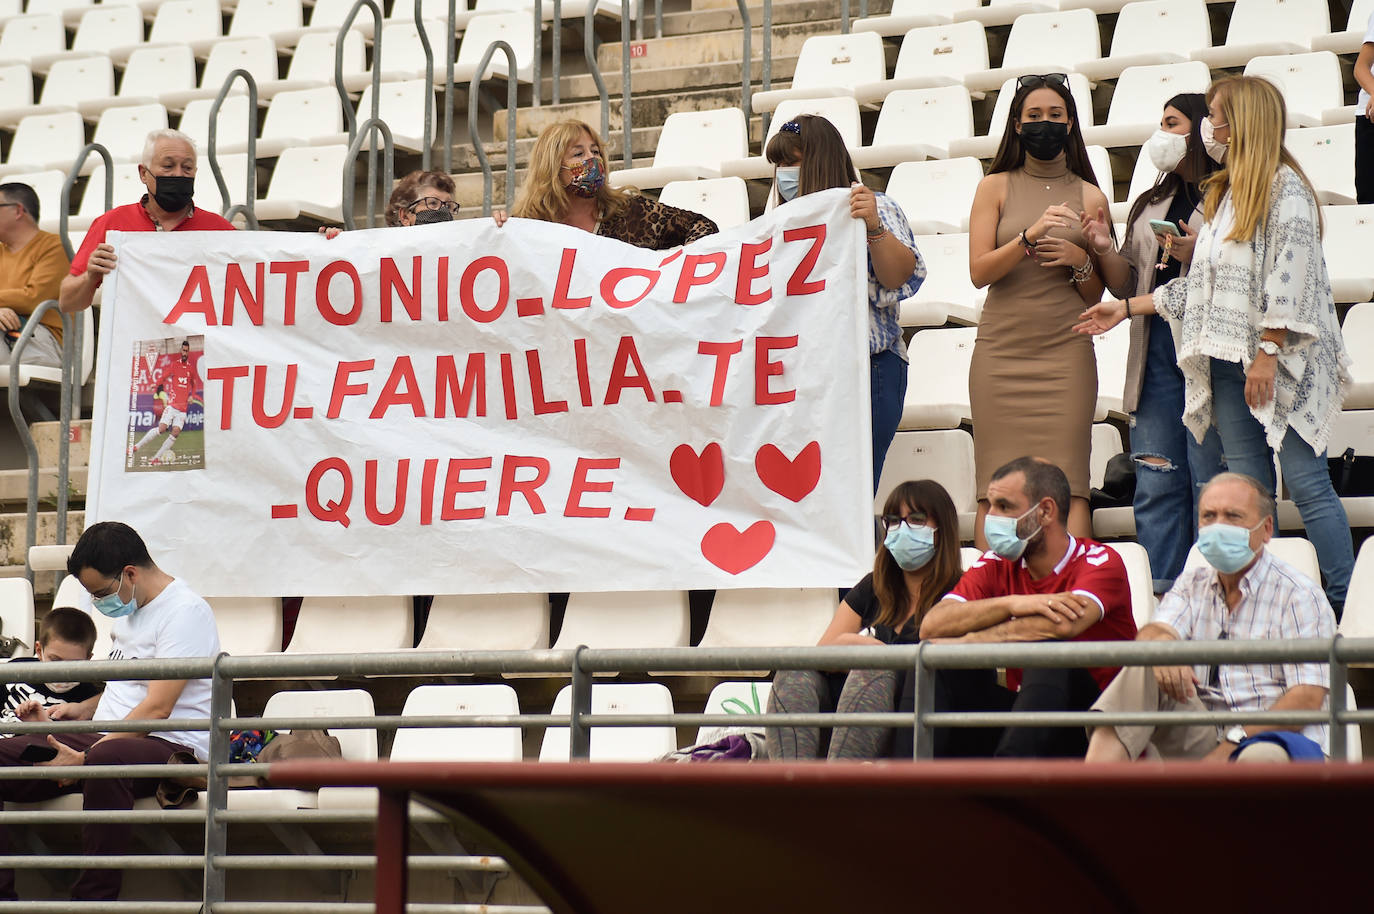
(649, 224)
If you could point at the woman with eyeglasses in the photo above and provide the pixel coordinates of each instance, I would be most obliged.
(808, 155)
(1171, 467)
(1259, 343)
(422, 197)
(916, 566)
(1032, 381)
(567, 182)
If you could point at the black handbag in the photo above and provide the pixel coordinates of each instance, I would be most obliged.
(1352, 475)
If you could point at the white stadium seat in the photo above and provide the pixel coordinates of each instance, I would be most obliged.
(932, 57)
(235, 168)
(1152, 32)
(301, 117)
(1358, 330)
(265, 18)
(733, 698)
(487, 622)
(769, 617)
(515, 28)
(306, 182)
(916, 124)
(1005, 12)
(983, 147)
(937, 195)
(1310, 83)
(944, 455)
(248, 625)
(257, 55)
(1327, 157)
(828, 66)
(1294, 550)
(1357, 621)
(1140, 578)
(1262, 27)
(1111, 349)
(26, 37)
(109, 29)
(352, 625)
(631, 618)
(1106, 444)
(459, 744)
(616, 744)
(937, 394)
(312, 64)
(126, 187)
(73, 83)
(403, 56)
(1139, 101)
(1348, 41)
(402, 106)
(48, 186)
(232, 135)
(947, 293)
(1043, 43)
(123, 131)
(1345, 243)
(16, 93)
(153, 73)
(691, 145)
(43, 141)
(355, 744)
(16, 614)
(912, 14)
(725, 201)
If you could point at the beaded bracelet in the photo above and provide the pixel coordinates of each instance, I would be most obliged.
(1080, 274)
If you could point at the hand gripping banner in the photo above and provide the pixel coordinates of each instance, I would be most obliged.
(459, 408)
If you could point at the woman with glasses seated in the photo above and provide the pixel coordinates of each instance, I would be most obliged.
(1033, 381)
(916, 566)
(567, 182)
(422, 197)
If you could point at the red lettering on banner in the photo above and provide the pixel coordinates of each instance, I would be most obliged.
(764, 369)
(508, 384)
(427, 491)
(336, 511)
(750, 270)
(560, 289)
(392, 283)
(443, 288)
(236, 286)
(402, 376)
(612, 280)
(398, 506)
(469, 279)
(226, 376)
(526, 487)
(584, 382)
(798, 284)
(325, 304)
(689, 277)
(541, 406)
(260, 415)
(342, 387)
(448, 389)
(625, 354)
(722, 352)
(291, 269)
(580, 486)
(198, 285)
(455, 486)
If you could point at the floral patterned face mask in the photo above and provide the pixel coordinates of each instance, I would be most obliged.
(588, 177)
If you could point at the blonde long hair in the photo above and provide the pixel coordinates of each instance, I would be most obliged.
(1257, 115)
(544, 195)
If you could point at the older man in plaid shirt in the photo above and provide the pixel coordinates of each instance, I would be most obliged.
(1245, 595)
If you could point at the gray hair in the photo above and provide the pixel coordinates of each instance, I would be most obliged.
(1262, 493)
(165, 133)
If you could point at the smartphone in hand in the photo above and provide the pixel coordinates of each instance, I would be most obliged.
(36, 753)
(1164, 227)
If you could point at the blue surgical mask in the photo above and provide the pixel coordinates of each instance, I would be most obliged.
(1001, 534)
(1226, 547)
(911, 547)
(789, 181)
(110, 604)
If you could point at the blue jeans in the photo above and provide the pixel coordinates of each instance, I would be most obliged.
(887, 392)
(1166, 494)
(1305, 472)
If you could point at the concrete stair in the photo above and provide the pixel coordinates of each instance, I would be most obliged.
(14, 494)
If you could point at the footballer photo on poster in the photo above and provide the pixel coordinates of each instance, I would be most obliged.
(166, 406)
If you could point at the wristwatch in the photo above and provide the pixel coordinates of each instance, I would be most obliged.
(1268, 347)
(1236, 735)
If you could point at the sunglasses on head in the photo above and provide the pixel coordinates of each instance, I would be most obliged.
(1039, 80)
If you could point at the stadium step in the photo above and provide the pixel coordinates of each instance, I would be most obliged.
(14, 544)
(47, 434)
(674, 79)
(700, 48)
(14, 486)
(723, 15)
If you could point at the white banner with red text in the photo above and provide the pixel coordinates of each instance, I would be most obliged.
(459, 408)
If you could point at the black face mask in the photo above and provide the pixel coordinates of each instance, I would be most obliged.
(174, 192)
(1044, 140)
(431, 216)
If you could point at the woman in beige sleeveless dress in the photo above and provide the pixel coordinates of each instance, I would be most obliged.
(1033, 382)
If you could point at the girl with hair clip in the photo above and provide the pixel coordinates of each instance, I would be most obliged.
(567, 182)
(917, 565)
(1170, 466)
(1259, 344)
(808, 155)
(1032, 382)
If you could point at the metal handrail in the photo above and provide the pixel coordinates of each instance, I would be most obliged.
(250, 197)
(747, 67)
(626, 120)
(26, 437)
(448, 84)
(350, 119)
(589, 54)
(66, 200)
(426, 154)
(366, 132)
(512, 86)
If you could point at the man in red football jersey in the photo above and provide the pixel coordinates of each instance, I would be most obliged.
(1037, 583)
(178, 383)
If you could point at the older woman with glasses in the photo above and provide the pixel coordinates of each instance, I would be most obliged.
(1033, 381)
(422, 197)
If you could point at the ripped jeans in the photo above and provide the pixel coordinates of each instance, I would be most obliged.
(1166, 494)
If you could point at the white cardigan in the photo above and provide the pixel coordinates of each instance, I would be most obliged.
(1276, 280)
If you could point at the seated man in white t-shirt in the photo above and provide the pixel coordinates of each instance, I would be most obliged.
(158, 617)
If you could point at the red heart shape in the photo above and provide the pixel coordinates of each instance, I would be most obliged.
(792, 479)
(733, 551)
(699, 478)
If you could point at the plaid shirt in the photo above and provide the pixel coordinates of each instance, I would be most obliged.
(883, 330)
(1277, 602)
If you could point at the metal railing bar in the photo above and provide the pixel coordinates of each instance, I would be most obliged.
(22, 427)
(105, 726)
(114, 670)
(426, 155)
(106, 907)
(626, 121)
(556, 58)
(229, 210)
(766, 63)
(746, 100)
(73, 173)
(323, 862)
(102, 772)
(103, 817)
(589, 53)
(318, 816)
(355, 907)
(512, 88)
(368, 131)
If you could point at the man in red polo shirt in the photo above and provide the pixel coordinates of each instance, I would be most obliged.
(168, 170)
(1037, 583)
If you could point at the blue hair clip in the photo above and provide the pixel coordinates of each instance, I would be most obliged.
(791, 127)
